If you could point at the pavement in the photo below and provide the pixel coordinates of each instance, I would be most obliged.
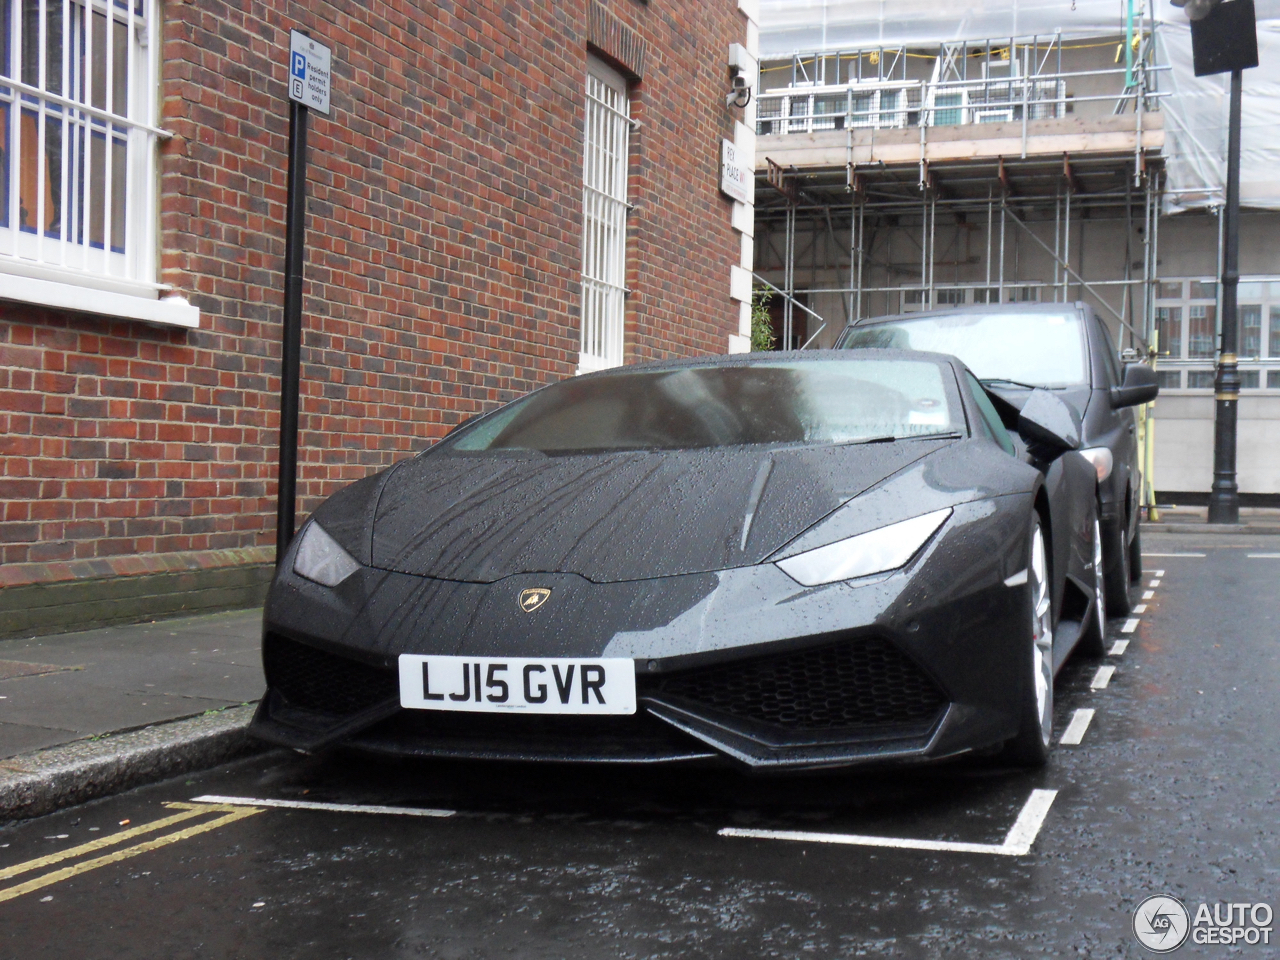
(1177, 518)
(83, 715)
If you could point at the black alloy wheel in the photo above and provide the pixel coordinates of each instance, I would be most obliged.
(1094, 629)
(1135, 555)
(1115, 551)
(1030, 748)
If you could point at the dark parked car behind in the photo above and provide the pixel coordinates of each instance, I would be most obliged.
(1065, 347)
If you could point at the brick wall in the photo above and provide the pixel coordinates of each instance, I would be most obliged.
(443, 263)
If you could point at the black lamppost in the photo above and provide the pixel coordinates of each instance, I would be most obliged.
(1224, 39)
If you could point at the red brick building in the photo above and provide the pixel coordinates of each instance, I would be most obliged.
(502, 195)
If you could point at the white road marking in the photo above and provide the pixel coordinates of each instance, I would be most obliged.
(1160, 573)
(1102, 678)
(333, 807)
(1075, 729)
(1145, 554)
(1139, 608)
(1154, 583)
(1017, 842)
(1118, 648)
(1147, 595)
(1130, 625)
(1263, 556)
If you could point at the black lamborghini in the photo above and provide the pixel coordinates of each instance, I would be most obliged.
(778, 560)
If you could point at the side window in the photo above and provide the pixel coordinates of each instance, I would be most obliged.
(1108, 352)
(991, 424)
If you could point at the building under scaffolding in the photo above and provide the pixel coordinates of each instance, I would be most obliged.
(916, 172)
(986, 178)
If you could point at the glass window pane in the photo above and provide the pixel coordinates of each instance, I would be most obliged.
(1204, 290)
(1169, 379)
(1169, 290)
(1249, 379)
(1250, 330)
(1199, 379)
(1274, 336)
(1169, 331)
(1251, 291)
(1273, 379)
(1201, 331)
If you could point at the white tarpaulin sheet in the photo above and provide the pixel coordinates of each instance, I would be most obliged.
(1196, 109)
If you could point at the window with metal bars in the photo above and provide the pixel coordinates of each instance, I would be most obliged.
(604, 228)
(78, 81)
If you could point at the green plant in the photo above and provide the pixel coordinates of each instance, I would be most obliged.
(762, 337)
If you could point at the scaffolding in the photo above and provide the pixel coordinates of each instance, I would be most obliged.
(848, 223)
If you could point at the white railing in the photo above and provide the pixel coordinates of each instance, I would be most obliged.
(890, 104)
(79, 109)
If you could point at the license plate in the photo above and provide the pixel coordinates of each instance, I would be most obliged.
(514, 685)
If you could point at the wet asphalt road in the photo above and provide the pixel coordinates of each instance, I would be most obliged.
(1173, 789)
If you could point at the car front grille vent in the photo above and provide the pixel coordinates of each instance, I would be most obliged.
(317, 680)
(849, 685)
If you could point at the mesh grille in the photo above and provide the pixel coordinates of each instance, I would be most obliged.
(848, 685)
(315, 680)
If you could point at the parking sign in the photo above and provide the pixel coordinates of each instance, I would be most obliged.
(308, 71)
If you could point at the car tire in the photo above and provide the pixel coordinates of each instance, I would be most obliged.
(1135, 555)
(1094, 631)
(1115, 570)
(1030, 748)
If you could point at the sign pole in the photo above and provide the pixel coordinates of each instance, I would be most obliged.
(291, 346)
(1224, 498)
(309, 87)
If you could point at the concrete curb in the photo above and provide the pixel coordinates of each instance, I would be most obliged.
(1247, 529)
(34, 784)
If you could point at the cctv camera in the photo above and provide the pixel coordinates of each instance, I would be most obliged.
(740, 94)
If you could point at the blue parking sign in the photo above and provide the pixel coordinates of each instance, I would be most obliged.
(309, 71)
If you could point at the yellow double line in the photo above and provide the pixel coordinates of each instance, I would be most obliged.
(191, 811)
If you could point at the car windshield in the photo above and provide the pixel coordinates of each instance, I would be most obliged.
(812, 402)
(1041, 349)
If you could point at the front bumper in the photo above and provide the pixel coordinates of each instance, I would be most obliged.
(741, 666)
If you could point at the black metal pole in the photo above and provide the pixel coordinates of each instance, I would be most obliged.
(291, 335)
(1224, 500)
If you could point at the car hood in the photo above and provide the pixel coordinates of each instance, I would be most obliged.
(614, 517)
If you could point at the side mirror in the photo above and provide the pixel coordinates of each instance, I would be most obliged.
(1044, 417)
(1140, 386)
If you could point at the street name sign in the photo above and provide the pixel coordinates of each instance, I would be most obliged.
(308, 72)
(737, 179)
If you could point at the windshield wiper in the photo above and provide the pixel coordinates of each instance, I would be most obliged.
(1010, 383)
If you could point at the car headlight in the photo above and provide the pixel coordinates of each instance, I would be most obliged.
(876, 551)
(319, 558)
(1101, 459)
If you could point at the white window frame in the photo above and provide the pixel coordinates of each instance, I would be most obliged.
(69, 257)
(606, 156)
(1262, 292)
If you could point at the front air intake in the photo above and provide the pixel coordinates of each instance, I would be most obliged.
(855, 684)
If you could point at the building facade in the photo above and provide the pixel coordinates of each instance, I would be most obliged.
(502, 195)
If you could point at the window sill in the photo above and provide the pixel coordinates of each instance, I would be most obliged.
(589, 363)
(172, 311)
